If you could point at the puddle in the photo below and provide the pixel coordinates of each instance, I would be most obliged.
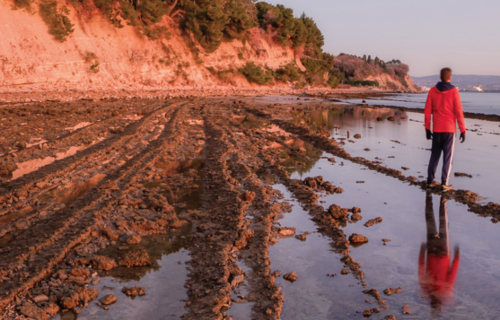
(241, 310)
(164, 282)
(29, 166)
(402, 143)
(406, 215)
(78, 126)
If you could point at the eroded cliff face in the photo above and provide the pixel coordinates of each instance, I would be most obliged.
(98, 55)
(388, 83)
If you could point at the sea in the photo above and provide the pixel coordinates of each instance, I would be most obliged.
(474, 102)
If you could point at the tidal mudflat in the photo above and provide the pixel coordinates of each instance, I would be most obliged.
(228, 208)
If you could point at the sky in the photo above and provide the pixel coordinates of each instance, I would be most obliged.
(427, 35)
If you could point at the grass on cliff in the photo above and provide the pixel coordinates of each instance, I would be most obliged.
(59, 24)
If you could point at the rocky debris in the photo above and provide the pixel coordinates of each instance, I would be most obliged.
(357, 238)
(108, 299)
(331, 159)
(344, 271)
(390, 317)
(103, 263)
(338, 213)
(390, 291)
(371, 222)
(368, 313)
(331, 275)
(366, 149)
(276, 273)
(357, 136)
(135, 239)
(134, 292)
(390, 118)
(405, 168)
(248, 196)
(31, 310)
(380, 119)
(80, 296)
(374, 293)
(286, 231)
(385, 241)
(40, 298)
(135, 258)
(461, 174)
(302, 237)
(290, 276)
(318, 184)
(406, 309)
(110, 234)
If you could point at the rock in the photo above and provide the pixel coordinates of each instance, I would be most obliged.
(134, 292)
(135, 258)
(40, 298)
(390, 317)
(108, 299)
(302, 237)
(357, 238)
(80, 272)
(103, 263)
(390, 291)
(248, 196)
(390, 118)
(406, 309)
(286, 231)
(276, 273)
(461, 174)
(371, 222)
(344, 271)
(237, 280)
(290, 276)
(338, 213)
(135, 239)
(357, 136)
(374, 293)
(380, 119)
(70, 300)
(31, 310)
(110, 234)
(331, 159)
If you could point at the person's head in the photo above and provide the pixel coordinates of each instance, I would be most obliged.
(446, 74)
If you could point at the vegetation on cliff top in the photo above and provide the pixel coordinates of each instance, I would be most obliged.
(211, 22)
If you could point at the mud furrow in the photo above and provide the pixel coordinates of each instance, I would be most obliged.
(69, 228)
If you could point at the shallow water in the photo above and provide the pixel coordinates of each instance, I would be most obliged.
(403, 209)
(402, 143)
(164, 282)
(475, 102)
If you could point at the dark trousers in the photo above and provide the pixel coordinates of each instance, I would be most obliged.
(441, 142)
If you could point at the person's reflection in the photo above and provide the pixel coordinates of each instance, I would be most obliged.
(436, 275)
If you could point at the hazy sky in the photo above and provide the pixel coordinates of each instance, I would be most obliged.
(427, 35)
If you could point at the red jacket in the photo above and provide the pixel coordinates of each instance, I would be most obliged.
(446, 110)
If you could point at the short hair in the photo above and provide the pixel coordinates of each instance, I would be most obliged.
(445, 74)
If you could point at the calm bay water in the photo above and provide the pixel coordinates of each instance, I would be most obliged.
(476, 102)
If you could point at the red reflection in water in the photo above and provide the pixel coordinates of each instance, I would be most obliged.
(436, 276)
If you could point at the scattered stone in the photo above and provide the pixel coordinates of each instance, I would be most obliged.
(135, 239)
(390, 118)
(331, 159)
(135, 258)
(390, 291)
(371, 222)
(461, 174)
(103, 263)
(374, 293)
(380, 119)
(367, 149)
(134, 292)
(357, 136)
(344, 271)
(276, 273)
(286, 231)
(302, 237)
(390, 317)
(40, 298)
(108, 299)
(406, 309)
(357, 238)
(290, 276)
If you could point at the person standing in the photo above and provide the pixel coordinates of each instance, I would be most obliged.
(445, 107)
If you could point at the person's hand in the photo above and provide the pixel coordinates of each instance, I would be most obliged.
(429, 134)
(462, 137)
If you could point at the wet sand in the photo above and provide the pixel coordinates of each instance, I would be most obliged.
(202, 201)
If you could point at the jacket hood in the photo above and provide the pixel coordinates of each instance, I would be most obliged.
(444, 86)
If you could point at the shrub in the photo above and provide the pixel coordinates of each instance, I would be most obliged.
(254, 73)
(288, 73)
(60, 25)
(22, 4)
